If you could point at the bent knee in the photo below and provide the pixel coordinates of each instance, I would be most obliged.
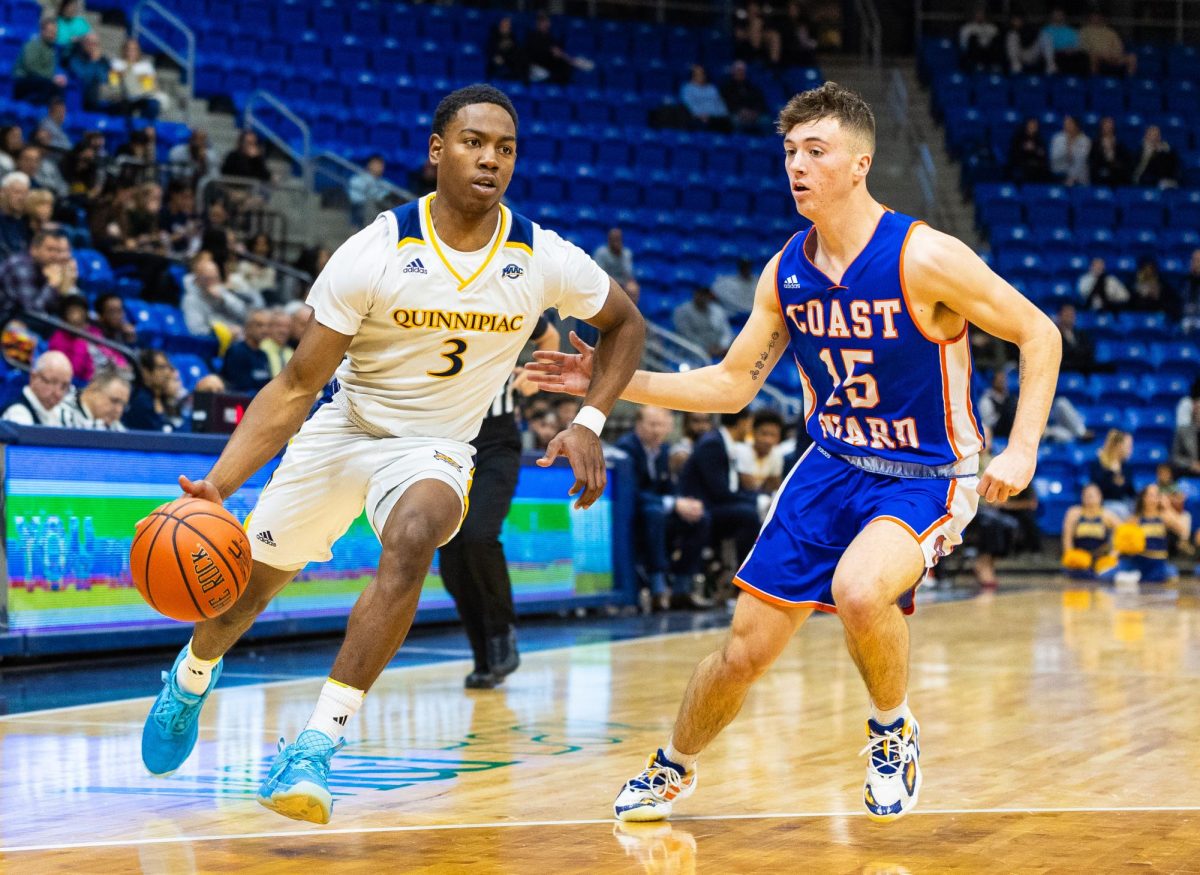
(859, 600)
(745, 660)
(411, 533)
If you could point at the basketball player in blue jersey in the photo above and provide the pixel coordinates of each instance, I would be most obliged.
(872, 307)
(422, 314)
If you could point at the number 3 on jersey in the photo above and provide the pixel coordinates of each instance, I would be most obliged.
(454, 356)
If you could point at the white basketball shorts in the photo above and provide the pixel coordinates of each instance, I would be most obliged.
(330, 472)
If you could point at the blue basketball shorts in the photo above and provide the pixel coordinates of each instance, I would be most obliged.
(822, 506)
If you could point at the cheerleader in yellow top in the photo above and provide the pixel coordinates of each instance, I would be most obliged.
(1156, 519)
(1087, 537)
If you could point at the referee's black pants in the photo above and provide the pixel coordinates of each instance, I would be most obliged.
(473, 565)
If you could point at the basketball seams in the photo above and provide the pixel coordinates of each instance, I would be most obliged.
(240, 531)
(183, 571)
(149, 553)
(215, 551)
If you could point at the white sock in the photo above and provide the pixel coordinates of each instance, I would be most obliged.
(687, 760)
(887, 718)
(338, 703)
(194, 674)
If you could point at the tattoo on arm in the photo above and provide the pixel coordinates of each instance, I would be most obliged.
(762, 356)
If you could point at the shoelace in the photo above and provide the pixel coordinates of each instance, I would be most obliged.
(656, 778)
(173, 714)
(313, 760)
(888, 751)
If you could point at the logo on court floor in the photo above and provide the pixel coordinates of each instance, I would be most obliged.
(415, 266)
(512, 271)
(266, 538)
(442, 457)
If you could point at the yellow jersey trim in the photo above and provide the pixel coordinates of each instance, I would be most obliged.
(520, 246)
(433, 239)
(408, 240)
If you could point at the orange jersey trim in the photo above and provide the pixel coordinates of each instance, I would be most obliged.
(912, 314)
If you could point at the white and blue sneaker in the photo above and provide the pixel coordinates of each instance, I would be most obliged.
(297, 786)
(894, 770)
(653, 793)
(173, 723)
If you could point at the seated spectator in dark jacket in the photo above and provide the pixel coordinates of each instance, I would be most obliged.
(1078, 352)
(745, 101)
(155, 402)
(1028, 50)
(1102, 290)
(505, 56)
(1028, 160)
(711, 474)
(797, 36)
(1190, 294)
(89, 67)
(1158, 165)
(247, 367)
(1108, 472)
(545, 50)
(36, 76)
(40, 402)
(1109, 162)
(979, 43)
(247, 159)
(101, 404)
(662, 520)
(14, 230)
(34, 280)
(1153, 294)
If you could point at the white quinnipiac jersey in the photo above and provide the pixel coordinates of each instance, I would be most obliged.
(437, 332)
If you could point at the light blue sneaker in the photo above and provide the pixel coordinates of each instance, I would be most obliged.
(173, 724)
(298, 784)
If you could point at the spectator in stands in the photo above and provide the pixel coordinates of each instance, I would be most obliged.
(1105, 50)
(761, 461)
(1069, 56)
(300, 315)
(543, 426)
(1028, 49)
(703, 101)
(247, 159)
(1101, 290)
(979, 43)
(42, 173)
(196, 154)
(52, 125)
(1078, 351)
(1109, 162)
(662, 520)
(101, 404)
(745, 101)
(547, 57)
(12, 139)
(370, 194)
(423, 180)
(754, 38)
(797, 40)
(72, 25)
(616, 260)
(505, 55)
(1108, 472)
(1153, 294)
(36, 76)
(1159, 523)
(1158, 165)
(998, 406)
(312, 260)
(73, 309)
(154, 404)
(89, 67)
(81, 169)
(139, 81)
(112, 324)
(246, 367)
(703, 321)
(34, 280)
(990, 353)
(735, 291)
(256, 278)
(695, 425)
(277, 343)
(14, 231)
(136, 158)
(1185, 447)
(1069, 151)
(1190, 294)
(1187, 404)
(1028, 160)
(40, 402)
(178, 221)
(711, 475)
(208, 306)
(39, 210)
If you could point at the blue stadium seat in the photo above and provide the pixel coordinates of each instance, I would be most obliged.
(1178, 358)
(1093, 207)
(1164, 390)
(1154, 426)
(1131, 356)
(1074, 387)
(1050, 204)
(1146, 95)
(1184, 207)
(1106, 95)
(1118, 389)
(1141, 208)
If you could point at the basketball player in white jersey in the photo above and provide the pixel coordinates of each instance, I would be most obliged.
(422, 315)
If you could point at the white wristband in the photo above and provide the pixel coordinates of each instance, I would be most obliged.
(591, 419)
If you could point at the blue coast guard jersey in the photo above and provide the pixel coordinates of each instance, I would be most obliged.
(436, 333)
(873, 383)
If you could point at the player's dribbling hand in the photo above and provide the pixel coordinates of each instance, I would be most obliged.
(555, 371)
(199, 489)
(1008, 474)
(580, 447)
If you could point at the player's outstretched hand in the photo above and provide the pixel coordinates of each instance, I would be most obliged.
(1008, 474)
(580, 447)
(199, 489)
(555, 371)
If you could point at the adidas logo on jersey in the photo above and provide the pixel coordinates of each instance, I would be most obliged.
(266, 538)
(415, 266)
(791, 282)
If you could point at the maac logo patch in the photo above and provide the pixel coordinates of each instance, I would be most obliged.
(442, 457)
(512, 271)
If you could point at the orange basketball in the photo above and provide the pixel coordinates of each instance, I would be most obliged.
(190, 559)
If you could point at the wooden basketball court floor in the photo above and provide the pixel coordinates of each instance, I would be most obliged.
(1058, 733)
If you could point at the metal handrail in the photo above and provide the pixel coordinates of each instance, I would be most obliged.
(304, 157)
(403, 195)
(141, 32)
(871, 49)
(925, 170)
(46, 319)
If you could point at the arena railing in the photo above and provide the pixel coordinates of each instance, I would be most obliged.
(143, 14)
(340, 170)
(47, 321)
(253, 119)
(1175, 21)
(871, 39)
(919, 155)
